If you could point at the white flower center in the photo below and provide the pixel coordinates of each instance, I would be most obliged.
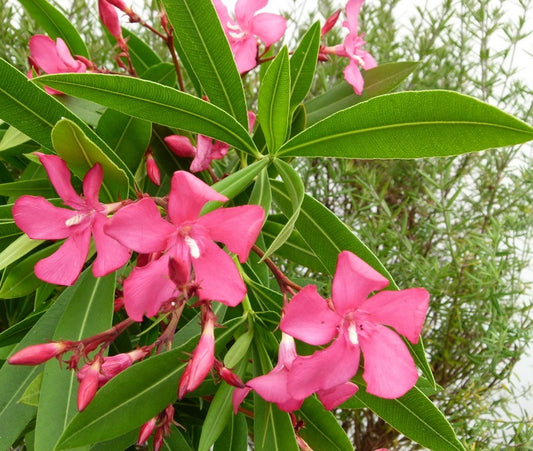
(76, 219)
(235, 31)
(352, 333)
(193, 246)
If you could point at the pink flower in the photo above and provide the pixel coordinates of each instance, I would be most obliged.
(352, 48)
(41, 220)
(206, 149)
(109, 17)
(203, 357)
(355, 321)
(242, 33)
(89, 385)
(52, 58)
(188, 240)
(274, 387)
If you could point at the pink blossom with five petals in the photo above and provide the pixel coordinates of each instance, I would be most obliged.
(355, 322)
(242, 33)
(187, 240)
(41, 220)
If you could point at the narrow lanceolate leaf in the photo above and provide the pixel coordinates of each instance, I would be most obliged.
(261, 192)
(322, 430)
(36, 187)
(380, 80)
(31, 110)
(20, 247)
(154, 102)
(142, 55)
(274, 101)
(303, 64)
(56, 25)
(325, 234)
(410, 125)
(293, 187)
(81, 154)
(235, 436)
(415, 416)
(12, 138)
(163, 73)
(15, 379)
(89, 312)
(204, 44)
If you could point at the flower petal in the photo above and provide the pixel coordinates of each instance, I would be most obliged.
(44, 53)
(245, 10)
(59, 175)
(352, 74)
(188, 195)
(180, 145)
(245, 52)
(140, 227)
(353, 8)
(64, 266)
(41, 220)
(268, 27)
(65, 56)
(389, 369)
(307, 317)
(337, 395)
(238, 397)
(203, 157)
(218, 276)
(404, 310)
(91, 186)
(324, 369)
(147, 288)
(272, 387)
(354, 280)
(236, 227)
(110, 254)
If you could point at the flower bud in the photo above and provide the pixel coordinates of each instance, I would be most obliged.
(152, 170)
(146, 431)
(330, 22)
(158, 439)
(109, 17)
(89, 384)
(228, 376)
(120, 5)
(36, 354)
(302, 444)
(180, 145)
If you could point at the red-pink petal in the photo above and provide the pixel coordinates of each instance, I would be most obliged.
(180, 145)
(140, 227)
(236, 227)
(218, 276)
(324, 369)
(203, 157)
(41, 220)
(404, 310)
(238, 397)
(91, 186)
(389, 369)
(65, 56)
(352, 75)
(147, 288)
(110, 254)
(188, 195)
(272, 387)
(59, 175)
(335, 396)
(64, 266)
(307, 317)
(353, 8)
(44, 53)
(354, 280)
(245, 52)
(268, 27)
(109, 17)
(245, 10)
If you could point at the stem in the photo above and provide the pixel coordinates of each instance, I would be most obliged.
(285, 284)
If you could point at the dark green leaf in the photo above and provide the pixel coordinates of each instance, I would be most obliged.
(410, 125)
(235, 436)
(142, 55)
(153, 102)
(203, 42)
(36, 187)
(163, 73)
(303, 64)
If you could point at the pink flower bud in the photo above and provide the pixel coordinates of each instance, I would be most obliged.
(228, 376)
(109, 17)
(146, 431)
(120, 5)
(302, 444)
(330, 22)
(88, 385)
(178, 272)
(180, 145)
(152, 170)
(36, 354)
(202, 359)
(158, 439)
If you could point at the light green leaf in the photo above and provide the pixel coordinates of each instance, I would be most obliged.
(154, 102)
(380, 80)
(56, 25)
(81, 154)
(261, 192)
(239, 349)
(142, 55)
(12, 138)
(89, 312)
(293, 186)
(35, 187)
(20, 247)
(30, 397)
(163, 73)
(235, 435)
(303, 64)
(274, 101)
(410, 125)
(202, 41)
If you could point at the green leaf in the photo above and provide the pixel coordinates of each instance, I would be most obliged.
(410, 125)
(12, 138)
(261, 192)
(294, 189)
(153, 102)
(203, 42)
(303, 64)
(30, 397)
(322, 431)
(142, 55)
(36, 187)
(415, 416)
(239, 349)
(89, 312)
(127, 136)
(326, 234)
(274, 101)
(380, 80)
(15, 379)
(20, 247)
(56, 25)
(81, 154)
(235, 435)
(236, 183)
(17, 331)
(163, 73)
